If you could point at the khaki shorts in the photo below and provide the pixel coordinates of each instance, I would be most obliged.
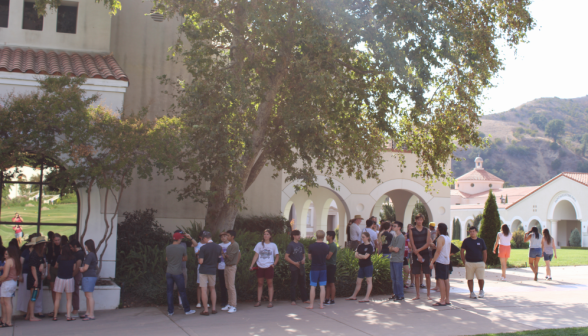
(207, 280)
(476, 268)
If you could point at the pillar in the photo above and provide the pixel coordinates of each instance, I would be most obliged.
(553, 230)
(584, 233)
(407, 218)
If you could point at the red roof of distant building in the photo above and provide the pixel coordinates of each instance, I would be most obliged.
(52, 63)
(479, 175)
(578, 177)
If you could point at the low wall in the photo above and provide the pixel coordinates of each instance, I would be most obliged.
(105, 297)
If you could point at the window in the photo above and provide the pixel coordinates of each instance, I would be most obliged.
(67, 19)
(472, 185)
(30, 191)
(4, 6)
(30, 19)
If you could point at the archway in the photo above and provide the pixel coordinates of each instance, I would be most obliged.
(566, 219)
(516, 225)
(535, 223)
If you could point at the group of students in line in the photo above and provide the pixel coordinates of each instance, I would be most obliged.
(61, 262)
(413, 254)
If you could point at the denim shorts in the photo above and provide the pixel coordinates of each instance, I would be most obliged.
(547, 257)
(535, 252)
(88, 284)
(365, 272)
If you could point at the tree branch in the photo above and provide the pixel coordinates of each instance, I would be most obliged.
(256, 169)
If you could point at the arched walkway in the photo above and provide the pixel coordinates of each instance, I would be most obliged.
(565, 216)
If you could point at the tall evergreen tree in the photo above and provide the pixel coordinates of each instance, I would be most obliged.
(456, 229)
(490, 226)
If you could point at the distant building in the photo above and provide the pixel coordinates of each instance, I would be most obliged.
(558, 204)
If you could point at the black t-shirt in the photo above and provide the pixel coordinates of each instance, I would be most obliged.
(80, 255)
(296, 252)
(26, 266)
(65, 270)
(385, 245)
(319, 253)
(474, 249)
(365, 249)
(53, 251)
(36, 261)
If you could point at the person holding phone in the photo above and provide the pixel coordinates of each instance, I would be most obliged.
(267, 257)
(17, 228)
(535, 250)
(420, 240)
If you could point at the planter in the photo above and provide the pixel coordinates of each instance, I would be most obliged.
(106, 297)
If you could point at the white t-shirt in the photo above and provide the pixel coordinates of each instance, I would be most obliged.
(373, 235)
(221, 264)
(267, 254)
(504, 240)
(354, 232)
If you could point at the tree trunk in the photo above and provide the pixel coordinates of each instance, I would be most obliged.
(223, 220)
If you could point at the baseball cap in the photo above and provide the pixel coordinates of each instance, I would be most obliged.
(206, 234)
(178, 235)
(432, 224)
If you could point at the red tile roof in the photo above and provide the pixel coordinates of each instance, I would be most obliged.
(479, 175)
(51, 63)
(578, 177)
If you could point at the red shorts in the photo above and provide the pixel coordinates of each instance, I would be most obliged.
(503, 251)
(266, 273)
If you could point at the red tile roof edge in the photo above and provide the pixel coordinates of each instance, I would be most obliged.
(546, 183)
(51, 63)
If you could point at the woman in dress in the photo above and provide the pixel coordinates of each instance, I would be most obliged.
(67, 268)
(89, 270)
(267, 257)
(535, 251)
(503, 239)
(9, 280)
(549, 252)
(366, 268)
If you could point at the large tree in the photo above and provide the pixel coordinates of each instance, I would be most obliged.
(555, 128)
(319, 86)
(489, 227)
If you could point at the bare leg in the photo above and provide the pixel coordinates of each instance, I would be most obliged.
(471, 285)
(312, 295)
(428, 277)
(199, 294)
(204, 298)
(89, 304)
(442, 285)
(322, 297)
(68, 303)
(357, 288)
(418, 279)
(447, 288)
(369, 288)
(56, 304)
(537, 260)
(548, 268)
(503, 266)
(270, 289)
(31, 310)
(481, 284)
(212, 297)
(259, 288)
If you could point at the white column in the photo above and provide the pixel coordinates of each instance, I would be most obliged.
(554, 232)
(584, 233)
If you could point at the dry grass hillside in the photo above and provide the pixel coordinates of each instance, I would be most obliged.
(519, 150)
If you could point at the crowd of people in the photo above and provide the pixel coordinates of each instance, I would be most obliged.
(61, 262)
(416, 254)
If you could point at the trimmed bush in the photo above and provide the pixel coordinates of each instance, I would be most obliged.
(277, 224)
(575, 238)
(490, 226)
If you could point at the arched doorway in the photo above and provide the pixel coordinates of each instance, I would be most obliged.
(535, 223)
(42, 202)
(403, 202)
(566, 218)
(516, 225)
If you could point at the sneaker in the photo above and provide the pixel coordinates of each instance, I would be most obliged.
(398, 299)
(393, 297)
(232, 310)
(169, 314)
(411, 285)
(481, 295)
(502, 279)
(227, 307)
(199, 306)
(550, 278)
(191, 312)
(332, 302)
(473, 296)
(327, 302)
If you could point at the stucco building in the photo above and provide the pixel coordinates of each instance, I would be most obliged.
(558, 205)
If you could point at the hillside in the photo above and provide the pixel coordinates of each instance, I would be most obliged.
(521, 153)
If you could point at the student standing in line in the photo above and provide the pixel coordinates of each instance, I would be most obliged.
(408, 251)
(441, 263)
(503, 239)
(355, 232)
(420, 240)
(67, 268)
(267, 257)
(197, 247)
(90, 275)
(35, 278)
(534, 249)
(220, 273)
(317, 253)
(385, 238)
(295, 256)
(232, 257)
(397, 246)
(174, 255)
(432, 251)
(9, 280)
(53, 252)
(184, 264)
(474, 260)
(208, 260)
(76, 247)
(366, 268)
(331, 268)
(371, 229)
(549, 252)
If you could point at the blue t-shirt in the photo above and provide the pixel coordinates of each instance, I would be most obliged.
(319, 252)
(474, 249)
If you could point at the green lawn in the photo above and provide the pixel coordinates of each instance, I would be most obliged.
(518, 258)
(59, 213)
(546, 332)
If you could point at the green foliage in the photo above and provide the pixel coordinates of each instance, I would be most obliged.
(388, 213)
(518, 239)
(309, 88)
(539, 120)
(419, 208)
(555, 164)
(490, 226)
(140, 226)
(277, 224)
(456, 258)
(554, 146)
(516, 150)
(554, 129)
(584, 142)
(582, 167)
(575, 238)
(456, 229)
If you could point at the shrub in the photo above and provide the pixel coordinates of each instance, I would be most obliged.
(456, 258)
(556, 164)
(140, 226)
(575, 238)
(277, 224)
(456, 229)
(518, 240)
(553, 146)
(490, 226)
(518, 151)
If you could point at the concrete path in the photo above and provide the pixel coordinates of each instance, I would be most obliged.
(515, 305)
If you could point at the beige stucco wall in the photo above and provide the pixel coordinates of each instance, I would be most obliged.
(92, 32)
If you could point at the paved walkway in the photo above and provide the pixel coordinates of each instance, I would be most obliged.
(518, 304)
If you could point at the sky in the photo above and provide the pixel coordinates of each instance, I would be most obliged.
(554, 62)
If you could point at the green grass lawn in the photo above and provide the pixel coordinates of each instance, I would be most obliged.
(518, 258)
(546, 332)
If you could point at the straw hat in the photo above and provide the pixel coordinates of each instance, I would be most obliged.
(37, 240)
(357, 217)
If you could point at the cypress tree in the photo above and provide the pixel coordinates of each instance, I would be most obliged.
(490, 226)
